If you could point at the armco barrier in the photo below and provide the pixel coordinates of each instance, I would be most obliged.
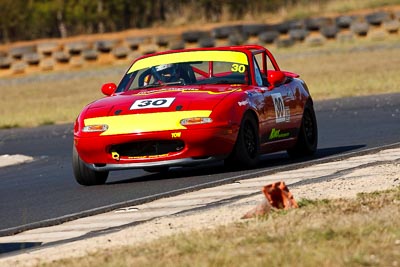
(50, 55)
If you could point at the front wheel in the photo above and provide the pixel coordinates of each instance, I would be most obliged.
(307, 139)
(247, 148)
(84, 175)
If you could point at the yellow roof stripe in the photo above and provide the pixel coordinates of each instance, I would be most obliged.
(149, 122)
(223, 56)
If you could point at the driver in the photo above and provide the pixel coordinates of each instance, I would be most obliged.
(168, 73)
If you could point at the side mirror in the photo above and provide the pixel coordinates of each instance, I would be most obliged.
(276, 78)
(108, 88)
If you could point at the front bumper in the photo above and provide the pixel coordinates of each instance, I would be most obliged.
(200, 146)
(141, 165)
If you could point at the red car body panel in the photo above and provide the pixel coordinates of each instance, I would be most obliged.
(143, 127)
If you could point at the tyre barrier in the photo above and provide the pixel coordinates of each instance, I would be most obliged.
(76, 48)
(329, 31)
(315, 24)
(296, 24)
(120, 52)
(255, 29)
(284, 42)
(134, 42)
(18, 51)
(344, 22)
(206, 41)
(359, 28)
(377, 18)
(237, 38)
(391, 26)
(53, 54)
(104, 46)
(47, 48)
(194, 36)
(47, 64)
(31, 58)
(223, 32)
(177, 44)
(268, 37)
(345, 37)
(315, 40)
(166, 40)
(298, 34)
(5, 62)
(90, 54)
(283, 27)
(61, 56)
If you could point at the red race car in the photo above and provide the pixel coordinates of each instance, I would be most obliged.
(193, 106)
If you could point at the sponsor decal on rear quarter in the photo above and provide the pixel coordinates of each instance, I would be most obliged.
(282, 113)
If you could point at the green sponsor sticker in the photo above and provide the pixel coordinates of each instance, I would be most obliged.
(275, 134)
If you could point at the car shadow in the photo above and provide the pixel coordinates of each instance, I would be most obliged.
(267, 162)
(11, 247)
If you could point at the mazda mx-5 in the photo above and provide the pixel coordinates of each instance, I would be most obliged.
(194, 106)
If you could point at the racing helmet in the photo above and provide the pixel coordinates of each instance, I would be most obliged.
(167, 72)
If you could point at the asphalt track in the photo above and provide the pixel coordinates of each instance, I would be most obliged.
(44, 191)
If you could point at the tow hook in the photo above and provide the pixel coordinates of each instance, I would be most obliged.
(115, 155)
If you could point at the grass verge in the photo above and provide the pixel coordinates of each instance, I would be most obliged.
(365, 232)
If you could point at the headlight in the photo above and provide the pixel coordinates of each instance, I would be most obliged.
(195, 120)
(95, 128)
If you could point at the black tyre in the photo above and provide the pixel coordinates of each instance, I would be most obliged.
(315, 24)
(329, 31)
(344, 22)
(224, 31)
(194, 36)
(90, 54)
(207, 42)
(247, 148)
(298, 34)
(255, 29)
(307, 139)
(377, 18)
(84, 175)
(105, 46)
(284, 42)
(283, 27)
(177, 44)
(359, 28)
(268, 37)
(237, 38)
(120, 52)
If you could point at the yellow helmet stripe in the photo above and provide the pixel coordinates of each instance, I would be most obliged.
(149, 122)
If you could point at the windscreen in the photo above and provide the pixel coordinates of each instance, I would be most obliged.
(187, 68)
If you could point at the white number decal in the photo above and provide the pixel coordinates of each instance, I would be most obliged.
(282, 113)
(153, 103)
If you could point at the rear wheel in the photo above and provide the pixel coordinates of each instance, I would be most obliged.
(247, 148)
(307, 139)
(85, 175)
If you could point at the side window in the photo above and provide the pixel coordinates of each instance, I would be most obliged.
(200, 70)
(257, 72)
(259, 58)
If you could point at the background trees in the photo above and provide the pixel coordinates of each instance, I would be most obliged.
(32, 19)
